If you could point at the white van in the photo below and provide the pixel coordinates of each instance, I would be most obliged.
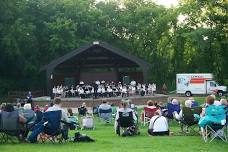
(198, 83)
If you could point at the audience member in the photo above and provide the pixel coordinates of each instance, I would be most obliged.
(158, 125)
(211, 113)
(56, 107)
(2, 107)
(188, 103)
(105, 111)
(216, 102)
(73, 119)
(151, 105)
(9, 108)
(82, 110)
(29, 114)
(40, 126)
(223, 102)
(70, 112)
(46, 108)
(175, 101)
(125, 109)
(22, 121)
(104, 106)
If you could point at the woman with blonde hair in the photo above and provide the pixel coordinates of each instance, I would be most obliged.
(188, 103)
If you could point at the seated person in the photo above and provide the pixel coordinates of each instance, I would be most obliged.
(22, 120)
(29, 114)
(72, 119)
(175, 101)
(30, 117)
(105, 111)
(172, 106)
(10, 108)
(216, 102)
(39, 114)
(224, 102)
(132, 106)
(70, 112)
(188, 103)
(211, 113)
(158, 125)
(151, 105)
(82, 110)
(41, 126)
(194, 102)
(124, 109)
(19, 108)
(2, 107)
(104, 106)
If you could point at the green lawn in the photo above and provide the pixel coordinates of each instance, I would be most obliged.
(107, 141)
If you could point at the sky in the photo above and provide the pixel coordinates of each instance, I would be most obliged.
(167, 3)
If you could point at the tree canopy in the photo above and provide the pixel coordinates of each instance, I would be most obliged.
(34, 32)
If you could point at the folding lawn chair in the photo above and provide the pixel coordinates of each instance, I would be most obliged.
(125, 120)
(9, 127)
(188, 119)
(148, 114)
(171, 108)
(195, 104)
(88, 122)
(105, 115)
(52, 130)
(216, 129)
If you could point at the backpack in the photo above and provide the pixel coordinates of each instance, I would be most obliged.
(131, 131)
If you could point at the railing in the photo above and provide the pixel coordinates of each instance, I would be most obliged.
(23, 94)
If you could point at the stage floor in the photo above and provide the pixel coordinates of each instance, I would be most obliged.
(74, 102)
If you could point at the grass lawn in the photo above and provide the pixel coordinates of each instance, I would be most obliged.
(108, 141)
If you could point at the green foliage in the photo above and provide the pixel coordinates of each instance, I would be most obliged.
(34, 32)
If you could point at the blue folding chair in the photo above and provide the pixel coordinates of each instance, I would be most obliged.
(105, 115)
(171, 108)
(195, 104)
(52, 130)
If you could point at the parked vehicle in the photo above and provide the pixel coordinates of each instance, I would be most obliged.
(198, 83)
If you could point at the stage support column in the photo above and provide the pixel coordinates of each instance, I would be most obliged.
(50, 79)
(117, 73)
(145, 75)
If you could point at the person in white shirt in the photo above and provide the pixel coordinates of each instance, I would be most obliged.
(54, 91)
(64, 117)
(56, 107)
(158, 125)
(41, 125)
(188, 103)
